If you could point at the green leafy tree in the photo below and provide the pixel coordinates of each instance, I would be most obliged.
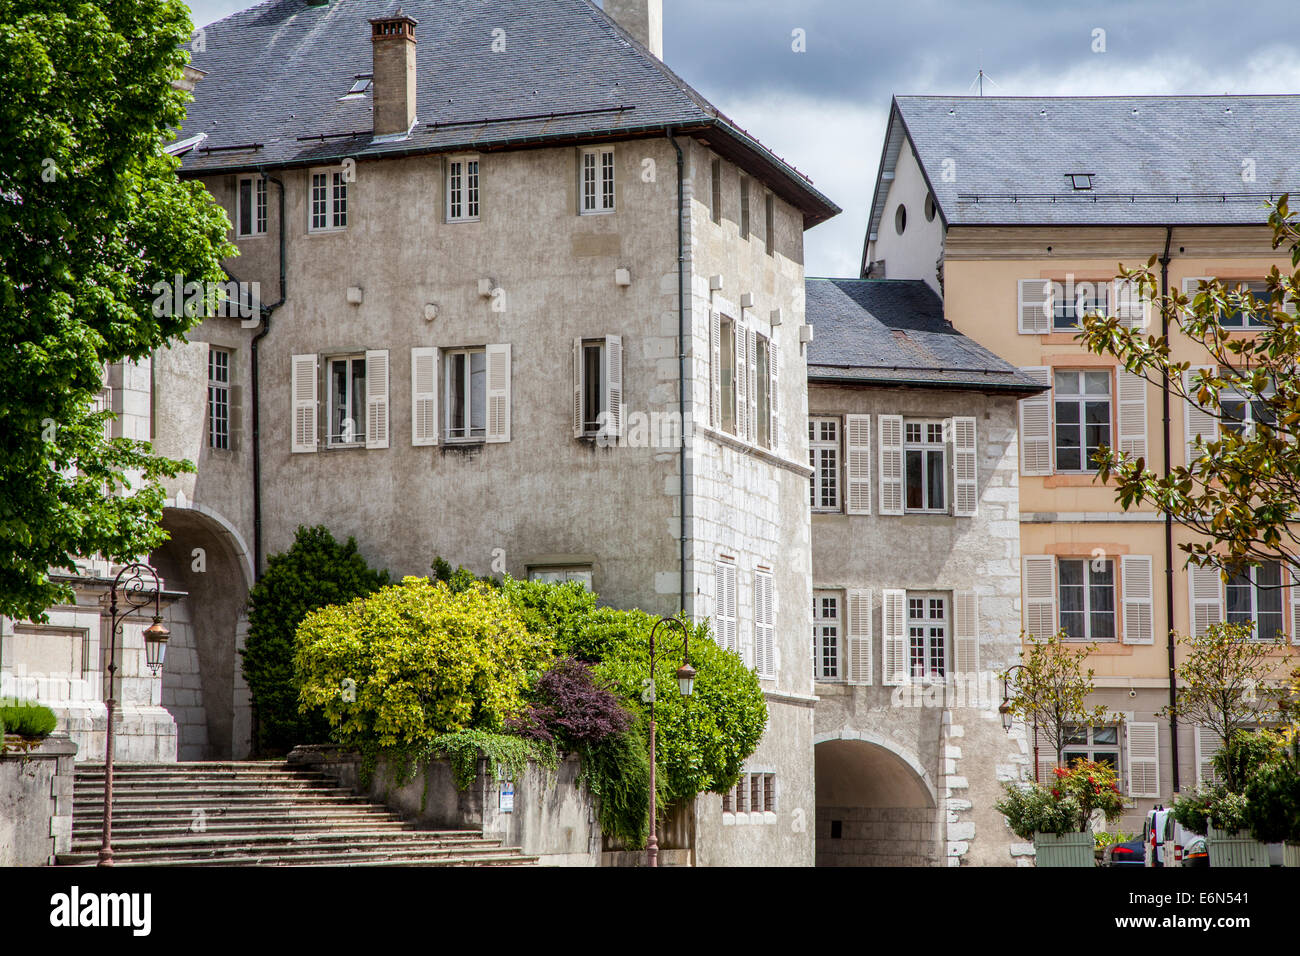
(316, 571)
(1051, 690)
(92, 218)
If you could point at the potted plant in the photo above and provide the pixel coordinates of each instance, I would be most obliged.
(1273, 805)
(1058, 818)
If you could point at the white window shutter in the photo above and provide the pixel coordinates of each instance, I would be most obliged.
(1046, 758)
(965, 496)
(857, 464)
(1132, 393)
(751, 350)
(1036, 425)
(303, 388)
(724, 580)
(1034, 301)
(377, 398)
(1295, 607)
(893, 644)
(1135, 578)
(498, 392)
(1142, 743)
(1039, 590)
(858, 631)
(1208, 743)
(891, 464)
(1196, 420)
(715, 369)
(613, 386)
(578, 423)
(764, 625)
(966, 633)
(1129, 306)
(424, 396)
(1205, 589)
(773, 395)
(742, 383)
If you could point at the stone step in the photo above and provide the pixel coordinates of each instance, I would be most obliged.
(224, 823)
(282, 851)
(505, 859)
(214, 789)
(207, 840)
(270, 798)
(233, 814)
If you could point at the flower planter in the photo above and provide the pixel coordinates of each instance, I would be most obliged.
(1064, 849)
(1291, 854)
(1235, 848)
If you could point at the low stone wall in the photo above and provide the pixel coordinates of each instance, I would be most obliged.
(876, 836)
(36, 801)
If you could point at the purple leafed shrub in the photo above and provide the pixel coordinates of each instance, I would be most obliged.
(572, 709)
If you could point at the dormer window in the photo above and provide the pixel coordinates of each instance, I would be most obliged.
(1081, 182)
(360, 87)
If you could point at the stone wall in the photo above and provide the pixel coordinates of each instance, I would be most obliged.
(876, 836)
(36, 801)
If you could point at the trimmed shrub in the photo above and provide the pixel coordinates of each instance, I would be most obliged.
(27, 719)
(315, 572)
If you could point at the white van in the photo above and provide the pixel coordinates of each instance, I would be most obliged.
(1168, 843)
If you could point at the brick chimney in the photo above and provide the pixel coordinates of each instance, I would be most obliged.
(393, 83)
(644, 19)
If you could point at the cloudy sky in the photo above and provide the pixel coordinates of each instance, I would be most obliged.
(824, 109)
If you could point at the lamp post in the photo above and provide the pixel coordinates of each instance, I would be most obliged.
(131, 581)
(686, 684)
(1005, 710)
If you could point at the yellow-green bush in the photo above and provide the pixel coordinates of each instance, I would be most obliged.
(413, 661)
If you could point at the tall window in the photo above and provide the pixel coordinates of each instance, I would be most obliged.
(466, 394)
(329, 200)
(1254, 597)
(763, 389)
(1082, 417)
(925, 463)
(824, 460)
(1098, 744)
(597, 183)
(251, 209)
(826, 636)
(727, 329)
(1087, 595)
(218, 399)
(927, 636)
(744, 207)
(1071, 301)
(715, 193)
(462, 190)
(769, 224)
(593, 386)
(347, 400)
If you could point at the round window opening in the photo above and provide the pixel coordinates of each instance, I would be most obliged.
(900, 219)
(930, 209)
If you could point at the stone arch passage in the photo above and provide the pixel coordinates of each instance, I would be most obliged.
(873, 808)
(202, 683)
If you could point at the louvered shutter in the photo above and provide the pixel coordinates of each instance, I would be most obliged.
(966, 633)
(1142, 744)
(1036, 425)
(1197, 420)
(303, 388)
(1046, 758)
(579, 428)
(764, 625)
(857, 464)
(891, 464)
(1132, 392)
(498, 392)
(1129, 306)
(715, 369)
(614, 386)
(1205, 590)
(1135, 577)
(377, 399)
(1295, 607)
(724, 582)
(893, 644)
(742, 382)
(1039, 586)
(773, 395)
(1208, 743)
(424, 396)
(1035, 306)
(751, 350)
(965, 496)
(858, 640)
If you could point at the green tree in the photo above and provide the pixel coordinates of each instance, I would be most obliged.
(92, 217)
(1051, 689)
(316, 571)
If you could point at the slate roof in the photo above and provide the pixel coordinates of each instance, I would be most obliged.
(275, 72)
(892, 332)
(1158, 160)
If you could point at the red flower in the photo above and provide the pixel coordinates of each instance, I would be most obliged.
(1060, 771)
(1055, 792)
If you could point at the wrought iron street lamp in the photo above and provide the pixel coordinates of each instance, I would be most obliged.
(1006, 710)
(685, 684)
(131, 582)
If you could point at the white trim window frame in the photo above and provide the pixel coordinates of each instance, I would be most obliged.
(462, 188)
(927, 637)
(924, 449)
(824, 460)
(1082, 412)
(1088, 297)
(327, 200)
(1240, 412)
(250, 207)
(1086, 599)
(596, 184)
(1097, 744)
(219, 399)
(465, 381)
(562, 574)
(1254, 596)
(828, 636)
(1235, 319)
(346, 397)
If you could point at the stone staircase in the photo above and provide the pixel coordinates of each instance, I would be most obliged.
(256, 813)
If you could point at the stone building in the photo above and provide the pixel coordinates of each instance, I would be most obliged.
(916, 578)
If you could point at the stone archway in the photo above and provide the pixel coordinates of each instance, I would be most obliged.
(875, 806)
(202, 683)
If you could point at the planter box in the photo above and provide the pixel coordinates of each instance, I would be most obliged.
(1291, 854)
(36, 800)
(1064, 849)
(1235, 848)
